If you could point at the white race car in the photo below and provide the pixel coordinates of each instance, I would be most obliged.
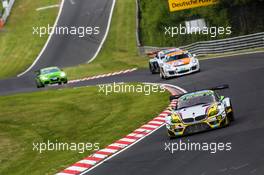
(158, 57)
(178, 63)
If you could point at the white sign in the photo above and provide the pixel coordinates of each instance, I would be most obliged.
(5, 3)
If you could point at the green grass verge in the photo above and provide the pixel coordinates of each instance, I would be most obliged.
(68, 115)
(119, 51)
(19, 48)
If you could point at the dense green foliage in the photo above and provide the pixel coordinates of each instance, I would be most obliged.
(244, 16)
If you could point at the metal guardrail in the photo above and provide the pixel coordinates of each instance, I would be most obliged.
(7, 11)
(218, 46)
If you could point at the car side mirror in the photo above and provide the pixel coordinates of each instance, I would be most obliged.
(36, 72)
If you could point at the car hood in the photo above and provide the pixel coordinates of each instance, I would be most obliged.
(52, 75)
(193, 111)
(180, 62)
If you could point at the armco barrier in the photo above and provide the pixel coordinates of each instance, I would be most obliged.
(6, 13)
(218, 46)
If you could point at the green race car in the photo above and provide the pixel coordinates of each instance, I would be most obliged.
(50, 75)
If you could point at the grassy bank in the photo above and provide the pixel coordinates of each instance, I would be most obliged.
(19, 47)
(70, 116)
(119, 51)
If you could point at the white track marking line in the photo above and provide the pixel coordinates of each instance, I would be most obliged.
(89, 162)
(101, 156)
(46, 44)
(76, 168)
(156, 122)
(150, 126)
(106, 33)
(136, 135)
(160, 118)
(118, 145)
(63, 174)
(127, 140)
(109, 150)
(143, 130)
(48, 7)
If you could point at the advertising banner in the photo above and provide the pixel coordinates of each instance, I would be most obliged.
(177, 5)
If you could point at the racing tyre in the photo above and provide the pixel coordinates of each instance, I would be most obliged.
(162, 76)
(171, 135)
(151, 68)
(174, 97)
(226, 122)
(156, 67)
(40, 86)
(230, 115)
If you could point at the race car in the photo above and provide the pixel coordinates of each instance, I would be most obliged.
(50, 75)
(199, 111)
(158, 57)
(178, 63)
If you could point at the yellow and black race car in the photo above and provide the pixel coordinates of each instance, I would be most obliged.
(199, 111)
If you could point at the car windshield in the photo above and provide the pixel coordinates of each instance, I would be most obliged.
(176, 57)
(189, 100)
(48, 71)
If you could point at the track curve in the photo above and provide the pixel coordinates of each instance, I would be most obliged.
(244, 74)
(70, 50)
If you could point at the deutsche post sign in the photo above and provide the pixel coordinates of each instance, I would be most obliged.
(177, 5)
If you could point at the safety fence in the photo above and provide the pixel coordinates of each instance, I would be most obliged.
(218, 46)
(7, 11)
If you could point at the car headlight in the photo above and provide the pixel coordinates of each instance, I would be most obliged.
(175, 118)
(62, 74)
(167, 66)
(194, 61)
(212, 111)
(43, 77)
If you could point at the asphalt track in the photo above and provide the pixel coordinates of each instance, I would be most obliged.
(244, 74)
(67, 50)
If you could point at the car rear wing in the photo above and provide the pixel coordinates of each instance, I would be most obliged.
(220, 87)
(175, 97)
(153, 54)
(216, 88)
